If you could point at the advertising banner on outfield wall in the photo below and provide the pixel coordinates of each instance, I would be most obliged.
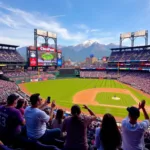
(34, 80)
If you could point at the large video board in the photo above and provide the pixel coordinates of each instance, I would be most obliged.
(47, 56)
(44, 56)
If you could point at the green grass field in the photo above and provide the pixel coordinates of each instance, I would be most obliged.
(62, 90)
(106, 98)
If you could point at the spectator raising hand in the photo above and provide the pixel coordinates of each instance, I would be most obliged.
(36, 120)
(142, 104)
(133, 131)
(53, 104)
(90, 111)
(76, 128)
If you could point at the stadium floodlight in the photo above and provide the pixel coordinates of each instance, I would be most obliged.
(126, 35)
(41, 32)
(52, 35)
(140, 33)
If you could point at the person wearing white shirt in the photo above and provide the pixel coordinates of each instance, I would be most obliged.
(36, 120)
(133, 131)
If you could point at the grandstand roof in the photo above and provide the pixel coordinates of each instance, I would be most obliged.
(8, 45)
(131, 48)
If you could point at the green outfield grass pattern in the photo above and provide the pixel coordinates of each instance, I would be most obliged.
(62, 90)
(106, 98)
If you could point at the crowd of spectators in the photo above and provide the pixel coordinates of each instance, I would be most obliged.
(16, 75)
(42, 126)
(10, 56)
(102, 74)
(7, 88)
(44, 75)
(121, 56)
(94, 65)
(20, 74)
(93, 74)
(137, 79)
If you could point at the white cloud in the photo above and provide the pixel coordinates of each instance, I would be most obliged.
(86, 28)
(23, 22)
(17, 27)
(94, 30)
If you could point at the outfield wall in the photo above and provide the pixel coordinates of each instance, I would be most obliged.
(30, 79)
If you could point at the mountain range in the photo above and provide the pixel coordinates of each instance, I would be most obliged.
(80, 51)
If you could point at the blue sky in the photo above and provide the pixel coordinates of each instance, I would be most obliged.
(74, 21)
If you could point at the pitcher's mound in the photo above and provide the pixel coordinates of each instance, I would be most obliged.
(115, 98)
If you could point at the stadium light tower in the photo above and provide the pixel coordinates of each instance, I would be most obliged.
(46, 35)
(133, 35)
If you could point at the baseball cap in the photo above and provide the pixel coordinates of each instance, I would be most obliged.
(133, 111)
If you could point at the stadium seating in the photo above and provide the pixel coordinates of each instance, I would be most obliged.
(7, 88)
(139, 80)
(10, 56)
(130, 56)
(32, 74)
(92, 74)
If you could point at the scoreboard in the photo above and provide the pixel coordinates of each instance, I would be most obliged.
(44, 56)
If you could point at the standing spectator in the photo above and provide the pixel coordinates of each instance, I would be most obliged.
(20, 106)
(58, 120)
(36, 120)
(108, 136)
(133, 131)
(10, 120)
(76, 128)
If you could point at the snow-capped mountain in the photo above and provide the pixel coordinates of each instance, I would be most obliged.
(80, 51)
(89, 43)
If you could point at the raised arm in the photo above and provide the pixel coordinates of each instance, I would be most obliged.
(142, 106)
(52, 110)
(42, 106)
(89, 110)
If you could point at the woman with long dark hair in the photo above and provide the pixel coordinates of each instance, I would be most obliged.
(20, 106)
(108, 136)
(58, 120)
(76, 128)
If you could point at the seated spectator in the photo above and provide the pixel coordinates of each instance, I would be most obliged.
(36, 120)
(58, 120)
(108, 136)
(76, 128)
(20, 106)
(10, 120)
(133, 131)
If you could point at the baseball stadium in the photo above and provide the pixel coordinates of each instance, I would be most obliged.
(109, 86)
(122, 80)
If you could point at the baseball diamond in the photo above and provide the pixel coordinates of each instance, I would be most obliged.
(97, 93)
